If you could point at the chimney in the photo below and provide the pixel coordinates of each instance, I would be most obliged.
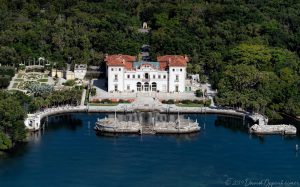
(123, 61)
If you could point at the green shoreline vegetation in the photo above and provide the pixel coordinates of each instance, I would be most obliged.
(249, 50)
(15, 104)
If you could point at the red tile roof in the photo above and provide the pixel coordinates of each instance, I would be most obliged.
(120, 60)
(164, 61)
(172, 60)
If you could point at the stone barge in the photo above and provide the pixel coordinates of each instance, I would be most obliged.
(180, 126)
(113, 125)
(273, 129)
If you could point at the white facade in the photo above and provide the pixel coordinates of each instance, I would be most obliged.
(177, 79)
(80, 71)
(146, 78)
(115, 77)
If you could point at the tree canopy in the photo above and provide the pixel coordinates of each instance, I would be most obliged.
(224, 40)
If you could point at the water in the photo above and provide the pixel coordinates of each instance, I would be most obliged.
(69, 153)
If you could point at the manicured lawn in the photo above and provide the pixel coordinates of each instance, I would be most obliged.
(15, 85)
(43, 80)
(103, 104)
(19, 80)
(190, 105)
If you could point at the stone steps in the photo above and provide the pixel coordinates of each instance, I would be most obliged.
(147, 129)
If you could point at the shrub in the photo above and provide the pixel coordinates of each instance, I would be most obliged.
(78, 87)
(10, 71)
(186, 101)
(198, 101)
(123, 101)
(207, 102)
(170, 101)
(69, 83)
(93, 91)
(106, 101)
(4, 81)
(199, 93)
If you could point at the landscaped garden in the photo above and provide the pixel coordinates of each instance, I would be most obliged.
(26, 80)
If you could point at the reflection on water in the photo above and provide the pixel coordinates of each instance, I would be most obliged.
(233, 123)
(71, 122)
(70, 149)
(67, 121)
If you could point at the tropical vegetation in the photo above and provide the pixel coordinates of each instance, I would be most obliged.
(15, 105)
(248, 50)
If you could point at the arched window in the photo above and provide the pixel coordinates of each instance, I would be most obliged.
(154, 86)
(146, 86)
(139, 86)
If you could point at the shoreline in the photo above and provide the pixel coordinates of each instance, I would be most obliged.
(297, 118)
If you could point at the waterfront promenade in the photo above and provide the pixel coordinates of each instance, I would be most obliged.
(33, 121)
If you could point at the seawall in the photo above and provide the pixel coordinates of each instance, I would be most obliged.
(33, 121)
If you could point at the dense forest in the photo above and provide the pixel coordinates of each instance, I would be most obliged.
(248, 49)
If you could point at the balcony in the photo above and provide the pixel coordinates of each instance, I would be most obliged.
(176, 80)
(145, 80)
(115, 80)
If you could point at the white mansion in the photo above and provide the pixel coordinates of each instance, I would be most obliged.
(126, 74)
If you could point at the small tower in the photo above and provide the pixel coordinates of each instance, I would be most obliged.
(145, 26)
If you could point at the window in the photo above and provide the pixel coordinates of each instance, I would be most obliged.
(112, 69)
(177, 78)
(146, 86)
(116, 77)
(153, 76)
(128, 76)
(133, 76)
(159, 76)
(128, 87)
(173, 69)
(165, 76)
(119, 69)
(154, 86)
(139, 76)
(139, 86)
(180, 69)
(116, 87)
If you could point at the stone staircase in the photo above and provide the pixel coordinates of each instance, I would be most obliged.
(147, 129)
